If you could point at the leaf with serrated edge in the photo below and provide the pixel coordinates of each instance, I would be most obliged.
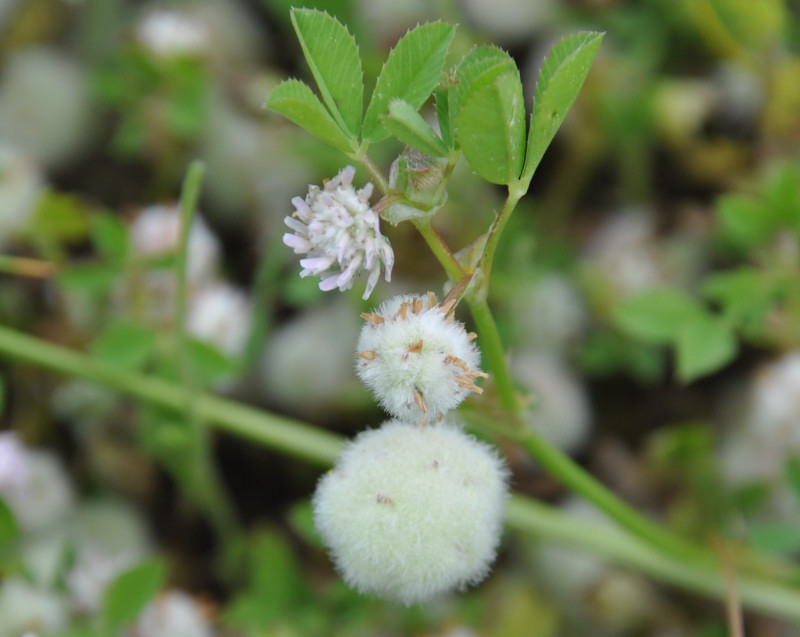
(560, 80)
(484, 62)
(405, 123)
(411, 72)
(491, 128)
(296, 101)
(332, 55)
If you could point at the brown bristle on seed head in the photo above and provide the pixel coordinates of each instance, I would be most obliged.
(403, 311)
(416, 347)
(375, 319)
(368, 354)
(431, 299)
(472, 336)
(416, 305)
(444, 309)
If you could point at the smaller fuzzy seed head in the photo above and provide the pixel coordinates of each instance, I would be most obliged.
(411, 512)
(339, 233)
(418, 361)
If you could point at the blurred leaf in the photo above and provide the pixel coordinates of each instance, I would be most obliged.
(704, 344)
(744, 294)
(90, 278)
(792, 472)
(130, 592)
(301, 519)
(9, 531)
(130, 135)
(491, 128)
(124, 344)
(730, 24)
(560, 80)
(604, 353)
(775, 537)
(296, 101)
(410, 73)
(782, 194)
(656, 315)
(332, 54)
(208, 363)
(405, 123)
(110, 235)
(276, 584)
(186, 85)
(745, 222)
(59, 219)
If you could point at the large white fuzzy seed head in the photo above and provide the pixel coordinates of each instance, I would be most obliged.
(416, 358)
(412, 512)
(340, 234)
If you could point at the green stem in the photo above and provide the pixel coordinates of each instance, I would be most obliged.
(203, 482)
(360, 155)
(283, 434)
(515, 193)
(613, 544)
(579, 481)
(494, 354)
(440, 249)
(321, 447)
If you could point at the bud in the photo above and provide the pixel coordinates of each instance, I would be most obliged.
(422, 183)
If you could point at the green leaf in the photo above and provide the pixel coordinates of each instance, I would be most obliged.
(276, 584)
(486, 62)
(560, 80)
(208, 363)
(90, 278)
(703, 345)
(745, 222)
(410, 73)
(491, 128)
(130, 592)
(125, 345)
(656, 315)
(780, 538)
(744, 294)
(296, 101)
(332, 54)
(792, 471)
(110, 236)
(9, 531)
(405, 123)
(441, 96)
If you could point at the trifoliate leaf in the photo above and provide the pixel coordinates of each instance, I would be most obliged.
(296, 101)
(410, 73)
(560, 80)
(491, 127)
(332, 54)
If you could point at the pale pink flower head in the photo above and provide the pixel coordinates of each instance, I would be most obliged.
(339, 233)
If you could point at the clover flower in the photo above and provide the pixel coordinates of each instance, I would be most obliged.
(339, 232)
(412, 512)
(416, 358)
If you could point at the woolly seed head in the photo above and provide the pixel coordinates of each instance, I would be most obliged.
(339, 233)
(416, 358)
(411, 512)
